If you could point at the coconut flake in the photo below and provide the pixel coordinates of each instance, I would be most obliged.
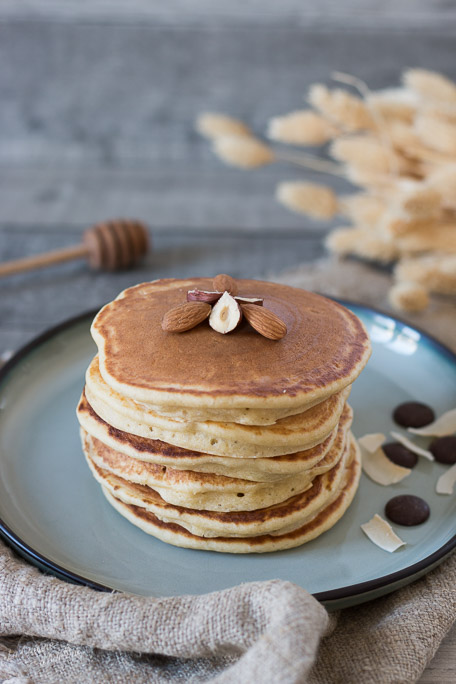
(380, 469)
(446, 482)
(372, 441)
(411, 446)
(442, 427)
(382, 534)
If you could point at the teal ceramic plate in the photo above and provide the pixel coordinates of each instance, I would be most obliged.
(53, 512)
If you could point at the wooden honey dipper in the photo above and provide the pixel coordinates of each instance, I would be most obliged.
(111, 246)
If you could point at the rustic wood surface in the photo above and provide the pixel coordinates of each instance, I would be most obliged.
(98, 100)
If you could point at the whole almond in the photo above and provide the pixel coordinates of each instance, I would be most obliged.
(185, 316)
(225, 283)
(264, 321)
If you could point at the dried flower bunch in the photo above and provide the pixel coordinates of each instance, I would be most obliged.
(399, 146)
(225, 309)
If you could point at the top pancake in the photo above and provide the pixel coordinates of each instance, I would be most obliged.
(324, 350)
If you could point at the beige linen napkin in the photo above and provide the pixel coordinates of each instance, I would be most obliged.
(262, 632)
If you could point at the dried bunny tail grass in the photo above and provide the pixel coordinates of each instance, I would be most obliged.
(396, 226)
(362, 208)
(361, 242)
(343, 109)
(436, 272)
(249, 153)
(394, 104)
(446, 113)
(420, 203)
(402, 134)
(405, 139)
(377, 116)
(365, 152)
(430, 85)
(443, 179)
(373, 182)
(436, 133)
(246, 153)
(213, 125)
(414, 200)
(432, 237)
(303, 127)
(343, 241)
(406, 296)
(308, 161)
(315, 200)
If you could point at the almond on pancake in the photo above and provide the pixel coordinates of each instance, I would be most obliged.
(324, 350)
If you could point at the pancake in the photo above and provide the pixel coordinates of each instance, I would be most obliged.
(324, 350)
(233, 443)
(322, 520)
(207, 491)
(286, 436)
(161, 453)
(246, 416)
(276, 519)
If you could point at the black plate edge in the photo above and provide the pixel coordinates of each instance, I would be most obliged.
(37, 558)
(351, 591)
(6, 532)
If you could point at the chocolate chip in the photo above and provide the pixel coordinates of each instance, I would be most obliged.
(400, 455)
(407, 509)
(444, 449)
(413, 414)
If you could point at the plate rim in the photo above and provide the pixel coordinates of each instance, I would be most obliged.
(351, 591)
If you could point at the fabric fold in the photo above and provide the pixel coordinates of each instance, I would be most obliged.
(265, 624)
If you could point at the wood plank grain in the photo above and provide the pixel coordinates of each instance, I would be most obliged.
(442, 669)
(167, 195)
(387, 14)
(121, 139)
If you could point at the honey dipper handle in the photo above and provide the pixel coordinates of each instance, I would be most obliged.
(42, 260)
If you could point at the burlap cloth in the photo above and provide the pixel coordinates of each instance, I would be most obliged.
(54, 632)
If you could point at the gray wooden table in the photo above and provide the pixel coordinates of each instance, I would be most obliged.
(98, 99)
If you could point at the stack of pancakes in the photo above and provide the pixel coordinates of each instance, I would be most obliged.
(234, 442)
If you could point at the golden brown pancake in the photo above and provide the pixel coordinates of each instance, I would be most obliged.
(324, 519)
(274, 519)
(324, 350)
(233, 443)
(286, 436)
(161, 453)
(206, 490)
(245, 416)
